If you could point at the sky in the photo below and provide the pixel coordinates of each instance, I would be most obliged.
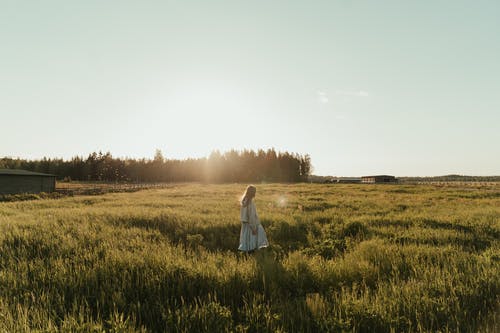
(408, 88)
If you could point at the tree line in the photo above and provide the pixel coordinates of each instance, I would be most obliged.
(232, 166)
(452, 178)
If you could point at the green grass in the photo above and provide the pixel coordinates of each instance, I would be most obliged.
(343, 258)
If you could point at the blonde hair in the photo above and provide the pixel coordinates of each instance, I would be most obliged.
(249, 195)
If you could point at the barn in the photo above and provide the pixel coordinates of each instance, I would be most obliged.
(378, 179)
(14, 181)
(348, 180)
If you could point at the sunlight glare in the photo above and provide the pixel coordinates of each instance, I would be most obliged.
(282, 201)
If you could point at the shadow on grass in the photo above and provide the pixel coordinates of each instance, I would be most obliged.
(433, 224)
(469, 245)
(212, 237)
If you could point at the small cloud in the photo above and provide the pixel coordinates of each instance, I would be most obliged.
(359, 93)
(322, 97)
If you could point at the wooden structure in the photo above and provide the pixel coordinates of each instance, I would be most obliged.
(15, 181)
(378, 179)
(348, 180)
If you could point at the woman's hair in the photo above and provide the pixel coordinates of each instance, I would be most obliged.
(249, 195)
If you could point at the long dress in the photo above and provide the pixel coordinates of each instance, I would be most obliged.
(250, 220)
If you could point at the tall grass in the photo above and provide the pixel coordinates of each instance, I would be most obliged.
(344, 258)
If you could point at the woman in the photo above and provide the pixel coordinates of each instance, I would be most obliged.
(252, 235)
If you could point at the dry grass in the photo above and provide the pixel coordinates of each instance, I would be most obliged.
(362, 258)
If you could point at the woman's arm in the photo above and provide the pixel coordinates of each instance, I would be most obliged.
(244, 216)
(252, 219)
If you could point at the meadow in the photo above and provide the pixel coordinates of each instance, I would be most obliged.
(343, 258)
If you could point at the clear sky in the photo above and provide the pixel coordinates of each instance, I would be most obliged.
(365, 87)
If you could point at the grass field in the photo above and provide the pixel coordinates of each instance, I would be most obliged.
(343, 258)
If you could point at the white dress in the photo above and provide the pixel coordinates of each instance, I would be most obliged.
(249, 221)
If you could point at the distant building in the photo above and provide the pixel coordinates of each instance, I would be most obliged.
(14, 181)
(348, 180)
(378, 179)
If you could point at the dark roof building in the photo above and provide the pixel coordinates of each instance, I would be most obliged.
(378, 179)
(348, 180)
(14, 181)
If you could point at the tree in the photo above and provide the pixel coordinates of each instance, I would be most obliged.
(232, 166)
